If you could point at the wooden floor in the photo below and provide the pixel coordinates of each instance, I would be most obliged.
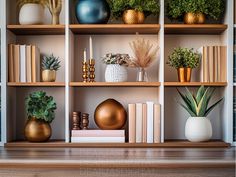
(112, 161)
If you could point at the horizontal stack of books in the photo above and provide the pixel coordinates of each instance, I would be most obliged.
(98, 136)
(144, 123)
(213, 63)
(23, 63)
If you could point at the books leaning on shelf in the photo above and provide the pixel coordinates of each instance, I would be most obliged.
(144, 123)
(23, 63)
(98, 136)
(213, 63)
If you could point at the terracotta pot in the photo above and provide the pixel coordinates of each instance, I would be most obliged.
(133, 17)
(184, 74)
(49, 75)
(190, 18)
(37, 130)
(201, 18)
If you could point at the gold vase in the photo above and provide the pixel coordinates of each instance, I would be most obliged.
(48, 75)
(201, 18)
(190, 18)
(184, 74)
(130, 17)
(37, 130)
(110, 115)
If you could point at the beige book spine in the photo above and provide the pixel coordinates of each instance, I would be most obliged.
(211, 63)
(157, 123)
(132, 123)
(17, 62)
(144, 123)
(11, 74)
(139, 122)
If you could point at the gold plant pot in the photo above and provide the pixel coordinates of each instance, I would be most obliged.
(190, 18)
(141, 17)
(37, 130)
(201, 18)
(110, 115)
(48, 75)
(130, 17)
(184, 74)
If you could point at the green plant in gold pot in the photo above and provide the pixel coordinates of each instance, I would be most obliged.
(195, 11)
(40, 110)
(50, 64)
(134, 11)
(184, 60)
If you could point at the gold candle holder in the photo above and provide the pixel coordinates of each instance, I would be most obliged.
(85, 71)
(91, 70)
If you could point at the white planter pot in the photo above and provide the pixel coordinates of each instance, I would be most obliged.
(115, 73)
(31, 14)
(198, 129)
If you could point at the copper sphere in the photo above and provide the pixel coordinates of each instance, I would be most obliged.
(141, 17)
(201, 18)
(110, 115)
(130, 17)
(190, 18)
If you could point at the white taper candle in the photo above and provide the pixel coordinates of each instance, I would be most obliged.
(85, 57)
(91, 47)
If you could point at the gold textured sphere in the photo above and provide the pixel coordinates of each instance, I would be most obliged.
(130, 17)
(141, 17)
(37, 130)
(201, 18)
(110, 115)
(190, 18)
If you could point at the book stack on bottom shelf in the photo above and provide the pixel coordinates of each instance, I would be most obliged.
(98, 136)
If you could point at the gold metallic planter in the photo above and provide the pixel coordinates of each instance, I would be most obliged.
(190, 18)
(141, 17)
(184, 74)
(133, 17)
(201, 18)
(37, 130)
(49, 75)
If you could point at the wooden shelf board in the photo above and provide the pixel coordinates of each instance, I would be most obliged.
(36, 84)
(167, 144)
(115, 29)
(115, 84)
(183, 84)
(37, 29)
(211, 29)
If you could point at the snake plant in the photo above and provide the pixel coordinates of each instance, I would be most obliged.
(198, 105)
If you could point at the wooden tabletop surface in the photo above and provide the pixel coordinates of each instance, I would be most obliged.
(117, 158)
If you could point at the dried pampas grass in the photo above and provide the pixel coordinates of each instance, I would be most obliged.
(145, 52)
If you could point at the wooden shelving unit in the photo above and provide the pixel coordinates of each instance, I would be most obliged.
(115, 29)
(193, 84)
(37, 29)
(36, 84)
(114, 84)
(209, 29)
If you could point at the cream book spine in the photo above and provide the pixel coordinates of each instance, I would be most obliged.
(132, 123)
(139, 121)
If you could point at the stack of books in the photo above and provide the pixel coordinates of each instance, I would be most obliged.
(23, 63)
(144, 123)
(98, 136)
(213, 63)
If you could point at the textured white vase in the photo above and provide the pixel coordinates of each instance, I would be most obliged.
(198, 129)
(31, 14)
(115, 73)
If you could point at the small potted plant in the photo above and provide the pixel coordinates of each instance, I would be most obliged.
(195, 11)
(50, 65)
(184, 60)
(198, 127)
(40, 110)
(116, 67)
(134, 11)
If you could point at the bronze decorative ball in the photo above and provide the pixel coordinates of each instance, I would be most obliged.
(110, 115)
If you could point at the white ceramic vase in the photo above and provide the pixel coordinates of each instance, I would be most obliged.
(115, 73)
(31, 14)
(198, 129)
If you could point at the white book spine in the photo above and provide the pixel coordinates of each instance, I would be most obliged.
(150, 122)
(139, 122)
(22, 63)
(98, 139)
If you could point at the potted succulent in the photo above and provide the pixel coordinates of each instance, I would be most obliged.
(184, 60)
(116, 67)
(195, 11)
(134, 11)
(50, 65)
(40, 112)
(198, 127)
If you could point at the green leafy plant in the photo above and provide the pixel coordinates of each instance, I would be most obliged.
(184, 58)
(212, 8)
(121, 59)
(40, 106)
(198, 105)
(147, 6)
(50, 63)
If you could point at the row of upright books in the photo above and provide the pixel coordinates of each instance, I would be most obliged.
(144, 122)
(23, 63)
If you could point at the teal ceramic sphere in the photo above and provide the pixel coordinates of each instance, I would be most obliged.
(92, 11)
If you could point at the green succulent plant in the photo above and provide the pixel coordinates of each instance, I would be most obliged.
(212, 8)
(147, 6)
(183, 58)
(51, 63)
(41, 106)
(198, 105)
